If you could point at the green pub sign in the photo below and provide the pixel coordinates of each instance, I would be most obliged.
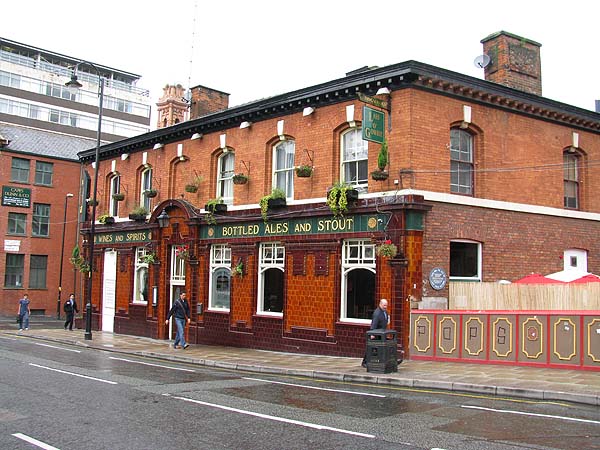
(123, 237)
(373, 125)
(16, 196)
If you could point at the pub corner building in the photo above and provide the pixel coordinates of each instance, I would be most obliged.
(285, 220)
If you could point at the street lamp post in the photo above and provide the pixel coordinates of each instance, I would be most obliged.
(74, 84)
(62, 254)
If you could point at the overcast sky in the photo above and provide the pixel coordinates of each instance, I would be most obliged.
(256, 49)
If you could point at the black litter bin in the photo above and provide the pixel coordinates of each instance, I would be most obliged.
(382, 351)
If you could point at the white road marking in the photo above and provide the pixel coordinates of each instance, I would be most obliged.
(60, 348)
(522, 413)
(35, 442)
(274, 418)
(72, 373)
(317, 388)
(150, 364)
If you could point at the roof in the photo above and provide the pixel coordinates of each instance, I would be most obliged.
(42, 142)
(409, 74)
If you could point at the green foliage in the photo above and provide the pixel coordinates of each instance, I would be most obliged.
(382, 158)
(78, 262)
(140, 211)
(238, 270)
(337, 199)
(264, 202)
(210, 210)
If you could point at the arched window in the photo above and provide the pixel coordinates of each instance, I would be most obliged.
(355, 159)
(115, 188)
(145, 185)
(571, 180)
(220, 277)
(283, 164)
(461, 162)
(270, 278)
(358, 279)
(225, 177)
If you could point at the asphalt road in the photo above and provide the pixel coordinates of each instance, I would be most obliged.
(63, 397)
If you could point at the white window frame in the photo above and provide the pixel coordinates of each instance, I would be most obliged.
(356, 254)
(177, 263)
(146, 184)
(361, 146)
(115, 188)
(225, 177)
(271, 256)
(464, 162)
(479, 275)
(283, 177)
(220, 259)
(139, 266)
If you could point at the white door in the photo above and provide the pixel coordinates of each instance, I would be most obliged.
(109, 284)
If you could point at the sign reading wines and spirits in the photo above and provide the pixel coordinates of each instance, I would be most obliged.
(123, 237)
(373, 125)
(16, 196)
(299, 226)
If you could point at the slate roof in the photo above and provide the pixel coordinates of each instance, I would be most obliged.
(44, 143)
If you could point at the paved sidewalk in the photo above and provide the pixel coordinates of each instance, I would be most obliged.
(515, 381)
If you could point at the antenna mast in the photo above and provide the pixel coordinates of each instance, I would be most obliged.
(188, 92)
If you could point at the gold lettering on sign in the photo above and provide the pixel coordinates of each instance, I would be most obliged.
(341, 224)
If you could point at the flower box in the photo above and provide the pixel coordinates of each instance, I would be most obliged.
(216, 207)
(276, 202)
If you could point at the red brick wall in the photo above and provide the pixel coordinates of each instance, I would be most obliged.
(65, 180)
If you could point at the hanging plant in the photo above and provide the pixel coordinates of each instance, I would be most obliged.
(213, 206)
(150, 193)
(387, 249)
(194, 184)
(238, 270)
(138, 213)
(382, 162)
(304, 171)
(183, 252)
(148, 258)
(339, 196)
(240, 178)
(106, 219)
(118, 197)
(78, 262)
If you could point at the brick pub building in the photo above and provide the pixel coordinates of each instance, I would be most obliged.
(488, 180)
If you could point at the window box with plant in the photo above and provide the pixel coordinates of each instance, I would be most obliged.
(276, 199)
(118, 197)
(382, 161)
(340, 196)
(304, 171)
(240, 178)
(150, 193)
(212, 207)
(138, 214)
(106, 219)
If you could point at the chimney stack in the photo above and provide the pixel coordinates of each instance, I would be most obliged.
(515, 62)
(207, 101)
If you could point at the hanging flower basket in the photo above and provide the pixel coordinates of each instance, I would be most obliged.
(151, 193)
(240, 178)
(304, 171)
(380, 175)
(119, 197)
(192, 188)
(387, 249)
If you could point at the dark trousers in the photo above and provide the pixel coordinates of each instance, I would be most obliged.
(69, 321)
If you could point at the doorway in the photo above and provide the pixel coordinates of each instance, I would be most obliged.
(109, 284)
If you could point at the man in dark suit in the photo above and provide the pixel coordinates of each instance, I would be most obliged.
(379, 321)
(70, 310)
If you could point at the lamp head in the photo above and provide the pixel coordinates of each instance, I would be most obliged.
(73, 85)
(69, 195)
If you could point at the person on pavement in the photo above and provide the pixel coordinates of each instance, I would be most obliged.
(70, 310)
(24, 312)
(379, 321)
(181, 311)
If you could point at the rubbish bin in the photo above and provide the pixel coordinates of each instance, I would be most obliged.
(382, 351)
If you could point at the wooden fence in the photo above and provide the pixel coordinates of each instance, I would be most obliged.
(496, 296)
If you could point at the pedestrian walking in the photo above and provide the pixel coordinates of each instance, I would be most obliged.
(379, 321)
(24, 312)
(181, 311)
(70, 309)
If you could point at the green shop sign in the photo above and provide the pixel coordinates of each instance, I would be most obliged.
(16, 196)
(123, 237)
(373, 125)
(295, 227)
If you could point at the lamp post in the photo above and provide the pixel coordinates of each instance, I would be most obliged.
(62, 254)
(74, 85)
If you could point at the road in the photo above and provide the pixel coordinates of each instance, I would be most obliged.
(56, 396)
